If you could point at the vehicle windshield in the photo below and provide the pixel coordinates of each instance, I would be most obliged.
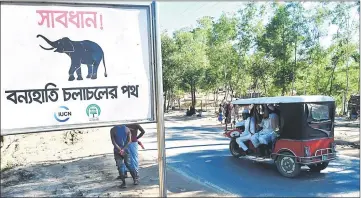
(319, 112)
(320, 120)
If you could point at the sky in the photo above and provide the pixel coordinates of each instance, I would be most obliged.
(175, 15)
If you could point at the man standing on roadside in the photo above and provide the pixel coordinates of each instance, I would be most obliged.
(133, 149)
(121, 138)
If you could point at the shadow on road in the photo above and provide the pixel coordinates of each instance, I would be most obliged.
(246, 177)
(178, 147)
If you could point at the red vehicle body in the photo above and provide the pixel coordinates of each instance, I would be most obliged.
(305, 133)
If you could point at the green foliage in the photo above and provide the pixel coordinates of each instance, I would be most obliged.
(268, 48)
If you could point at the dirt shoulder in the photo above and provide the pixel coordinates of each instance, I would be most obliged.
(347, 137)
(64, 164)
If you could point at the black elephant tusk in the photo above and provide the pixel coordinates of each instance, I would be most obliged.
(47, 48)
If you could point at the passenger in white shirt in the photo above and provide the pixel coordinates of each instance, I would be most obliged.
(258, 138)
(275, 124)
(249, 130)
(269, 124)
(266, 125)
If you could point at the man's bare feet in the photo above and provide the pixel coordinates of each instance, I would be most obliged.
(123, 185)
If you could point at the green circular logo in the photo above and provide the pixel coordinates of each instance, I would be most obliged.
(93, 111)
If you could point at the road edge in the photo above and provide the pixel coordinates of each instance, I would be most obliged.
(346, 156)
(221, 191)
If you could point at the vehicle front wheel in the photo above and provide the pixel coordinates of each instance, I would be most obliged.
(287, 166)
(234, 149)
(318, 167)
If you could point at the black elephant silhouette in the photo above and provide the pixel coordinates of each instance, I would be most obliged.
(80, 52)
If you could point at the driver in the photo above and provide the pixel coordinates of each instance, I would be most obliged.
(249, 129)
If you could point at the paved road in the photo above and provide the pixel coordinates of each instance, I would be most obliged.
(202, 153)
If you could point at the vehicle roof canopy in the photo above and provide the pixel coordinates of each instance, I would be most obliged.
(284, 99)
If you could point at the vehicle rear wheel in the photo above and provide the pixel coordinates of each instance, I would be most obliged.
(287, 165)
(318, 167)
(234, 149)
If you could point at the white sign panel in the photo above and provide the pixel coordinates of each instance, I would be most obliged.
(74, 66)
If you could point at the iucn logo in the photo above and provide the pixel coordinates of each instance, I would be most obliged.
(63, 114)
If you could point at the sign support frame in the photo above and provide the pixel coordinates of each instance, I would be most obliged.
(159, 101)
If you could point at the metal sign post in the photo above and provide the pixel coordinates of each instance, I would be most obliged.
(159, 103)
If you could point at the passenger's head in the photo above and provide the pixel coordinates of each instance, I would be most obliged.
(245, 114)
(271, 108)
(265, 113)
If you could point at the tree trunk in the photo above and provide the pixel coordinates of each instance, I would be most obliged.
(347, 76)
(169, 99)
(214, 101)
(193, 93)
(305, 83)
(225, 82)
(347, 62)
(317, 79)
(194, 96)
(334, 68)
(179, 105)
(284, 58)
(165, 101)
(317, 63)
(331, 80)
(265, 87)
(206, 101)
(293, 72)
(226, 93)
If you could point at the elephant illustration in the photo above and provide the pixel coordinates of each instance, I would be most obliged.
(80, 52)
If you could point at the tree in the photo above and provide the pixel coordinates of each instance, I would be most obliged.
(250, 28)
(171, 70)
(277, 43)
(192, 58)
(347, 26)
(268, 47)
(259, 69)
(222, 55)
(299, 32)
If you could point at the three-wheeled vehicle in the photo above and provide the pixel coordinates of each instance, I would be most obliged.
(305, 136)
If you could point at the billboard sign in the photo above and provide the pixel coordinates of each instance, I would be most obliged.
(67, 66)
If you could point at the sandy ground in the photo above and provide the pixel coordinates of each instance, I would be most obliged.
(67, 164)
(58, 164)
(347, 137)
